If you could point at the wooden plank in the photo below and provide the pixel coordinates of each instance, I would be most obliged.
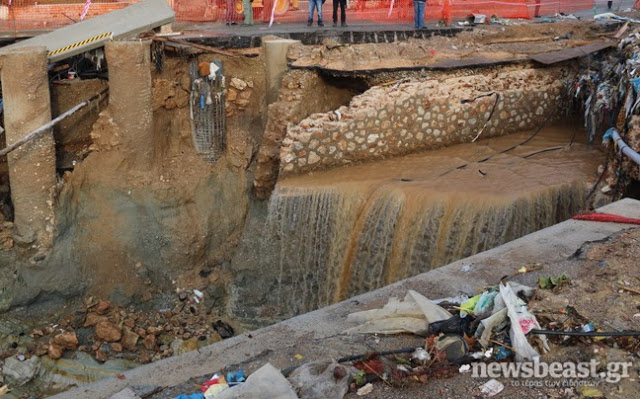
(571, 53)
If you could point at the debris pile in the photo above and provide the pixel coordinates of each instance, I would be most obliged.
(108, 332)
(609, 95)
(505, 323)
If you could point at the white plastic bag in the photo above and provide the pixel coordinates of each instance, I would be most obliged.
(412, 315)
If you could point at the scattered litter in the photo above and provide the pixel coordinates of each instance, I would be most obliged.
(214, 386)
(608, 16)
(298, 356)
(191, 396)
(454, 325)
(413, 315)
(235, 377)
(519, 316)
(587, 327)
(321, 380)
(454, 347)
(421, 355)
(465, 368)
(365, 390)
(466, 268)
(266, 382)
(477, 19)
(491, 388)
(198, 293)
(552, 282)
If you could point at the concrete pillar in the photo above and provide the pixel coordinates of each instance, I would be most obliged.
(130, 102)
(275, 51)
(32, 167)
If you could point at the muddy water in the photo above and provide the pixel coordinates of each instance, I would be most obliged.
(346, 231)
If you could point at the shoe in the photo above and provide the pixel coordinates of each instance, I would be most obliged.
(309, 23)
(344, 25)
(234, 23)
(227, 23)
(320, 23)
(335, 24)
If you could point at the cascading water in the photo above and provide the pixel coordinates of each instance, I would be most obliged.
(346, 231)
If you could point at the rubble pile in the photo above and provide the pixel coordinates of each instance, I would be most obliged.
(106, 331)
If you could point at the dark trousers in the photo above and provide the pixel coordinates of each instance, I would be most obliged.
(609, 4)
(343, 14)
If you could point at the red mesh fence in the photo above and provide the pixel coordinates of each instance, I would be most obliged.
(16, 15)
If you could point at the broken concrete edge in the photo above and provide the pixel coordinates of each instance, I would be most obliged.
(251, 40)
(548, 59)
(549, 246)
(464, 64)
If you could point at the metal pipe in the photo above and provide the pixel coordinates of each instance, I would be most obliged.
(624, 148)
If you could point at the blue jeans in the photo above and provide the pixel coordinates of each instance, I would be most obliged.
(317, 4)
(418, 12)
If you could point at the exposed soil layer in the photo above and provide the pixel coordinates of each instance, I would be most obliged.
(491, 44)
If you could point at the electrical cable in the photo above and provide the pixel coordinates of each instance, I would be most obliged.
(589, 333)
(538, 130)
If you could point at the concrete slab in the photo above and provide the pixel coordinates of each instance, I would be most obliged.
(318, 335)
(93, 33)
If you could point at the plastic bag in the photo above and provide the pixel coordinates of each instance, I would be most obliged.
(411, 315)
(524, 351)
(321, 380)
(485, 303)
(486, 327)
(266, 383)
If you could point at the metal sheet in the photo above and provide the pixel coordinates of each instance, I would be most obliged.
(93, 33)
(570, 53)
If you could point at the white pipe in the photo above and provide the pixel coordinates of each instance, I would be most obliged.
(624, 148)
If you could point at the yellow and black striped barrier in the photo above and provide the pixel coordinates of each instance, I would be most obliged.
(81, 43)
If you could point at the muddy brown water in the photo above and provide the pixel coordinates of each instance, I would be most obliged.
(336, 234)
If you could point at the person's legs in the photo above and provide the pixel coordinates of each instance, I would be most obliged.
(335, 12)
(248, 12)
(319, 7)
(416, 14)
(312, 5)
(343, 12)
(421, 5)
(609, 4)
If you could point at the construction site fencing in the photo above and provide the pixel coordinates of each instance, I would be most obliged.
(25, 15)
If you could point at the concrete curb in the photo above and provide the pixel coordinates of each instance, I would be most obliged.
(318, 334)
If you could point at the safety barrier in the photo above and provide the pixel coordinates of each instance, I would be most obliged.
(17, 15)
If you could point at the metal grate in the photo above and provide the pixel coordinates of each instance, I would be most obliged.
(208, 124)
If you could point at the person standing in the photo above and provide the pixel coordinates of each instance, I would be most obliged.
(418, 11)
(343, 15)
(609, 5)
(248, 11)
(230, 15)
(315, 4)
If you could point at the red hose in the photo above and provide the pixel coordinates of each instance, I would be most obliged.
(606, 217)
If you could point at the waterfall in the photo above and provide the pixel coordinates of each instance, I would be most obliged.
(332, 235)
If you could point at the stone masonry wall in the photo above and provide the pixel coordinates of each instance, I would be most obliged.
(302, 93)
(421, 115)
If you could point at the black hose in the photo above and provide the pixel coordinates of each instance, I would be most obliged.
(589, 334)
(384, 353)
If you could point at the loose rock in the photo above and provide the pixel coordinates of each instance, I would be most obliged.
(108, 332)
